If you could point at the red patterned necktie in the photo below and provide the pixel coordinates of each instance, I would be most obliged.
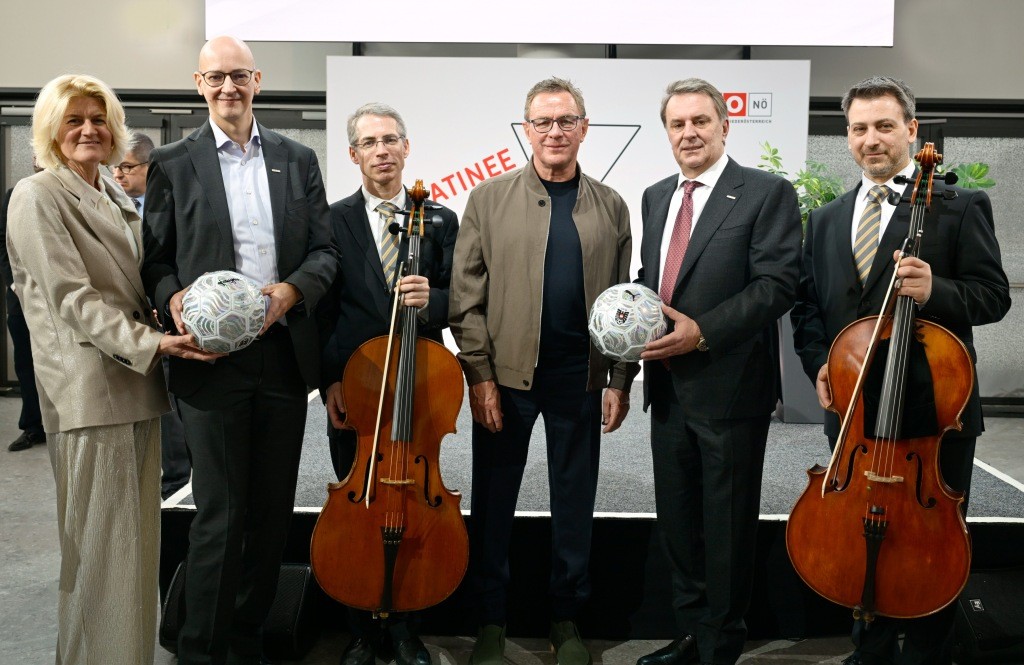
(678, 243)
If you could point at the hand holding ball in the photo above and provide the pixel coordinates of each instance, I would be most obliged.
(624, 318)
(223, 311)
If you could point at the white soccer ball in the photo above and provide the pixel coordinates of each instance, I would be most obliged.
(624, 318)
(224, 311)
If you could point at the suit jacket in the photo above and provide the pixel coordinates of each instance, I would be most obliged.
(358, 307)
(188, 233)
(969, 287)
(737, 278)
(93, 337)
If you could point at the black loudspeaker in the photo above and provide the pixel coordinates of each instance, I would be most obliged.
(291, 628)
(990, 618)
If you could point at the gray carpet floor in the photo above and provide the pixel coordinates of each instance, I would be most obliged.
(625, 484)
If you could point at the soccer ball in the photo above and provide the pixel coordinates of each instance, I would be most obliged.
(624, 318)
(224, 311)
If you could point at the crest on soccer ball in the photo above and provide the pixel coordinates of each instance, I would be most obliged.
(623, 319)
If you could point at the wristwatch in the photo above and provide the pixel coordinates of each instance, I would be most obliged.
(702, 344)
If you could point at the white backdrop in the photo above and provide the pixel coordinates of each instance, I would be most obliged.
(751, 22)
(463, 117)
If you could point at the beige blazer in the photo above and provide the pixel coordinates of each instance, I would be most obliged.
(93, 337)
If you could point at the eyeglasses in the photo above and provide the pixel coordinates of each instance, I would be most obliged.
(389, 141)
(216, 79)
(127, 168)
(565, 123)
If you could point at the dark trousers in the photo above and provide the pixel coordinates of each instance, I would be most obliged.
(174, 460)
(400, 625)
(928, 640)
(31, 419)
(707, 489)
(244, 429)
(572, 421)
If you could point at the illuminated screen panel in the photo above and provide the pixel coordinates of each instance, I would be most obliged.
(735, 22)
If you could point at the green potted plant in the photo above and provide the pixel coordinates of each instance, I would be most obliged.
(814, 185)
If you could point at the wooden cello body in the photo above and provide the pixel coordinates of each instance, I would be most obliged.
(923, 556)
(879, 530)
(391, 537)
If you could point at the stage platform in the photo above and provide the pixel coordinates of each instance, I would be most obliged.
(630, 599)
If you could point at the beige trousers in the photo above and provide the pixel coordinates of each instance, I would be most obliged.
(108, 517)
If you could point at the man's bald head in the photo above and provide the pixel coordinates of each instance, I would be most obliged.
(225, 45)
(228, 80)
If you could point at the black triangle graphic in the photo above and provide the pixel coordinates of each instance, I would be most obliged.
(612, 153)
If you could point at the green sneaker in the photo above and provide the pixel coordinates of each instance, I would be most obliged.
(490, 646)
(567, 645)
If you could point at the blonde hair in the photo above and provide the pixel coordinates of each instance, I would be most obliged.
(52, 104)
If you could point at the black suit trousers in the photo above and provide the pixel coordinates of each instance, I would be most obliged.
(31, 418)
(572, 423)
(707, 487)
(244, 429)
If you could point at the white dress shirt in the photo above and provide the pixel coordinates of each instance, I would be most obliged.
(700, 198)
(248, 194)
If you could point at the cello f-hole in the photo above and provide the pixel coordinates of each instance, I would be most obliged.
(435, 501)
(931, 502)
(859, 448)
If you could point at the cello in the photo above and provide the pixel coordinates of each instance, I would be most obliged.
(878, 530)
(391, 537)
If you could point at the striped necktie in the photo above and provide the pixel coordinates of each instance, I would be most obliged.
(388, 242)
(866, 244)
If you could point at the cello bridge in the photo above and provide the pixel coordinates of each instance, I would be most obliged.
(391, 481)
(875, 478)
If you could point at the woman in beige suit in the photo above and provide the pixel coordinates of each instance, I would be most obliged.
(75, 245)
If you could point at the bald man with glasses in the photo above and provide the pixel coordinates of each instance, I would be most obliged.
(236, 196)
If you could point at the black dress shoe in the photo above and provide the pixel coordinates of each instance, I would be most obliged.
(411, 651)
(358, 652)
(26, 441)
(679, 652)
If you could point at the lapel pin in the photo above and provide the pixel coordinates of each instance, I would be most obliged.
(275, 170)
(730, 196)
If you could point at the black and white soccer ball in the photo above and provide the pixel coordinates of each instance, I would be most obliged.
(224, 311)
(624, 318)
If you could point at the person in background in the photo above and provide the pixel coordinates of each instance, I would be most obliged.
(75, 246)
(131, 175)
(30, 422)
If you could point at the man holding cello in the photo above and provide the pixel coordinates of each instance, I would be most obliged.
(850, 249)
(358, 308)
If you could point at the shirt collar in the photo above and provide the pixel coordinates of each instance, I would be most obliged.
(867, 183)
(372, 201)
(710, 177)
(220, 137)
